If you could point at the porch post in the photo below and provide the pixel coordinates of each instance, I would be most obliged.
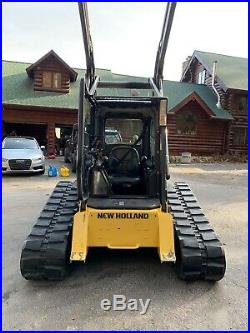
(51, 142)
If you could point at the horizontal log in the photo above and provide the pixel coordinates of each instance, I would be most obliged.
(39, 88)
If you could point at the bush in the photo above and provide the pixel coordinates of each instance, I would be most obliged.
(217, 158)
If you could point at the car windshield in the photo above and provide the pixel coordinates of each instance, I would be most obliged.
(112, 137)
(19, 143)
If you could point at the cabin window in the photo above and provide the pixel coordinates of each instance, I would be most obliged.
(186, 123)
(57, 80)
(240, 136)
(202, 77)
(47, 79)
(52, 80)
(243, 103)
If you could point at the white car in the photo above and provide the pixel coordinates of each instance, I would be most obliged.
(22, 155)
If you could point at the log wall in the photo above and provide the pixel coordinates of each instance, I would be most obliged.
(229, 101)
(210, 137)
(240, 121)
(51, 64)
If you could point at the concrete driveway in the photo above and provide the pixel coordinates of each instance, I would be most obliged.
(74, 304)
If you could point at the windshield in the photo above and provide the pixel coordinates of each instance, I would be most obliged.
(19, 143)
(125, 131)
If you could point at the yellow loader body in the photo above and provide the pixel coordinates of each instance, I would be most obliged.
(123, 229)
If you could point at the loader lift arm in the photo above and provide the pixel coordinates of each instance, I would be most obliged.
(88, 46)
(155, 83)
(161, 52)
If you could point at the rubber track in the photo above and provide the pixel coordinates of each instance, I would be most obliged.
(45, 254)
(201, 256)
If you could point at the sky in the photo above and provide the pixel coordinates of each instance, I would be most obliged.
(125, 35)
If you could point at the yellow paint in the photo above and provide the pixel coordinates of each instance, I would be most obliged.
(79, 247)
(123, 229)
(163, 112)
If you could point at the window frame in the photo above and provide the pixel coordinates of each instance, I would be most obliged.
(244, 108)
(52, 78)
(202, 77)
(183, 114)
(47, 76)
(244, 136)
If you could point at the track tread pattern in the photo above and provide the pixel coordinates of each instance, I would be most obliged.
(45, 254)
(200, 255)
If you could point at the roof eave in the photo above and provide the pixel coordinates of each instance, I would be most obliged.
(191, 97)
(195, 96)
(37, 107)
(237, 90)
(186, 69)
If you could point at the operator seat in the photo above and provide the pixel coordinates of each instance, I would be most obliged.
(126, 173)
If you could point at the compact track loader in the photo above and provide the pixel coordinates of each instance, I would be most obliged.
(121, 199)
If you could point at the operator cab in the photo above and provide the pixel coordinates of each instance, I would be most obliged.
(122, 160)
(133, 163)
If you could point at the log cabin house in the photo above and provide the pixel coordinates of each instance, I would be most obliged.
(41, 98)
(231, 86)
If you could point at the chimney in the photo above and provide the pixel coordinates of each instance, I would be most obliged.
(185, 64)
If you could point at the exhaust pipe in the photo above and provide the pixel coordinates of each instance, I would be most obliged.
(218, 104)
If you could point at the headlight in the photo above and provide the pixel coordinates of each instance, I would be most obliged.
(4, 160)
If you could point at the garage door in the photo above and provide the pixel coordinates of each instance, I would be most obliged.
(38, 131)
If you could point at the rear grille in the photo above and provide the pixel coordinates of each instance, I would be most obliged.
(20, 164)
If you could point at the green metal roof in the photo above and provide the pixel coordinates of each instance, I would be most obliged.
(232, 71)
(17, 88)
(178, 91)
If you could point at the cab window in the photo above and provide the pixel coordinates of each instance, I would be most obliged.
(122, 131)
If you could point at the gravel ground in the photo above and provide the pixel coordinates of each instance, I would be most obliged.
(74, 304)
